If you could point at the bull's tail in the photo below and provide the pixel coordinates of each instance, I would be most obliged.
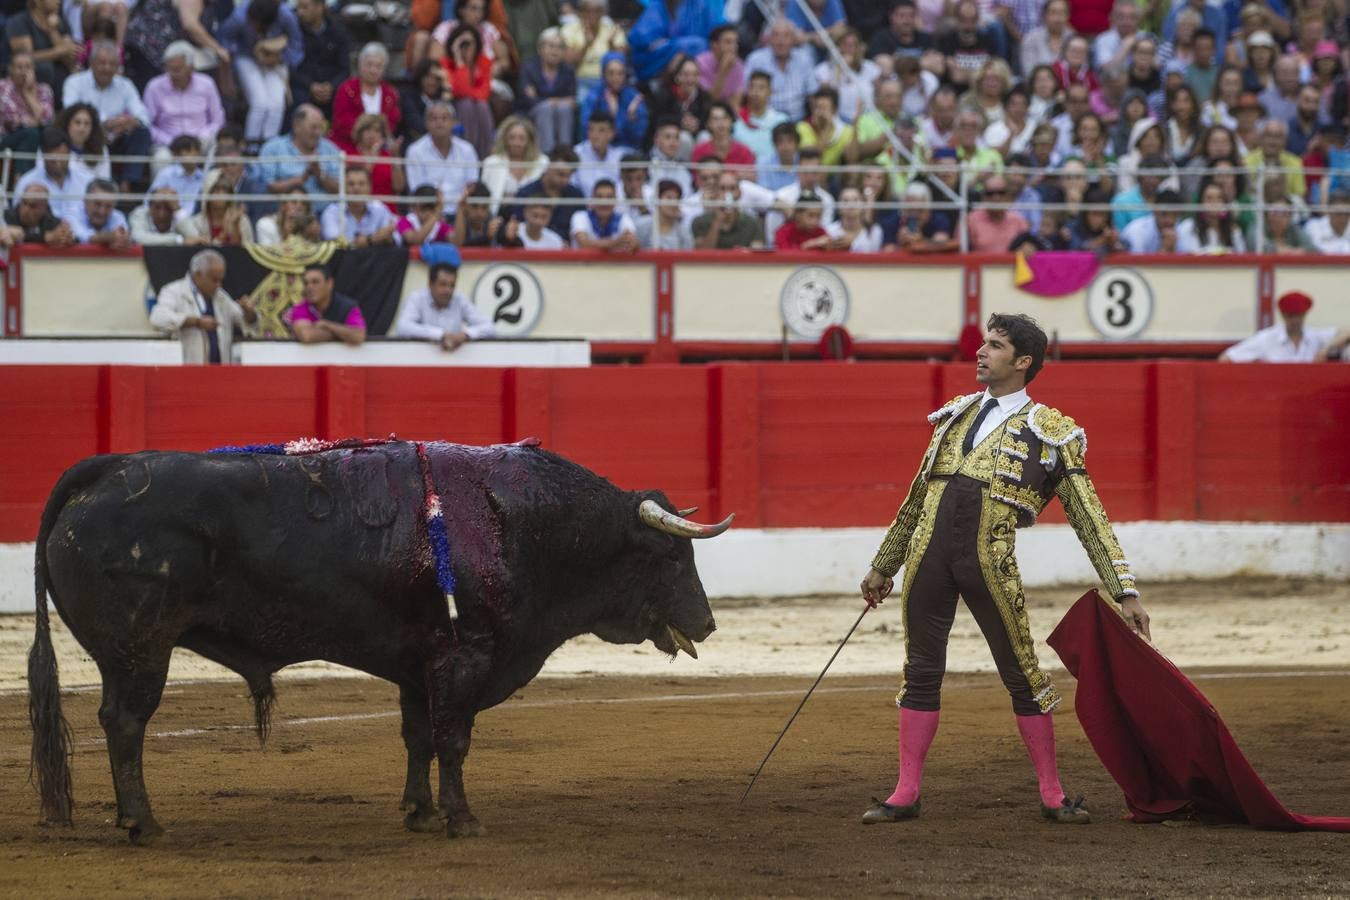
(51, 754)
(264, 698)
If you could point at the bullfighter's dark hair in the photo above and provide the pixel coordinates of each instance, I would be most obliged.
(1025, 335)
(321, 269)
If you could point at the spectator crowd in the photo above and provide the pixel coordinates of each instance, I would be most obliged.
(1143, 126)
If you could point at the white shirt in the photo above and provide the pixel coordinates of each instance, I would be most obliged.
(1188, 239)
(1008, 404)
(1318, 230)
(450, 173)
(581, 224)
(867, 241)
(67, 207)
(83, 229)
(1142, 236)
(594, 167)
(188, 186)
(376, 216)
(119, 98)
(421, 319)
(1273, 345)
(548, 239)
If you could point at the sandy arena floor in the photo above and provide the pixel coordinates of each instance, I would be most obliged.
(625, 782)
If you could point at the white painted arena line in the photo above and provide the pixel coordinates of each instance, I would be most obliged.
(654, 698)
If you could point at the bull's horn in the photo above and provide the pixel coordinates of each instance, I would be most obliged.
(689, 511)
(651, 513)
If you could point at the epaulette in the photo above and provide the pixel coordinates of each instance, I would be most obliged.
(955, 405)
(1053, 427)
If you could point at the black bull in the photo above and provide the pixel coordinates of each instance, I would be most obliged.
(261, 561)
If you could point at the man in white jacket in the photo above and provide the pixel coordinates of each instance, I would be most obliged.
(442, 315)
(200, 314)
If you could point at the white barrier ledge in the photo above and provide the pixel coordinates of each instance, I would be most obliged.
(792, 562)
(39, 352)
(499, 354)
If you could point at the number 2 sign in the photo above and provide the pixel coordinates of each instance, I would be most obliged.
(1119, 303)
(511, 297)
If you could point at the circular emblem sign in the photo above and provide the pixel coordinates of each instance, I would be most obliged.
(511, 297)
(813, 299)
(1119, 303)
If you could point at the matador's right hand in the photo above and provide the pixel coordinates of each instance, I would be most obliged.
(876, 588)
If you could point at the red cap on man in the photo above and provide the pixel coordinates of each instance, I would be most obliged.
(1295, 303)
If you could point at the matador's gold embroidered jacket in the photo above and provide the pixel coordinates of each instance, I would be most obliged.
(1036, 454)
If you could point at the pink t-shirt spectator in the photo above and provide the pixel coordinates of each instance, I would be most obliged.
(988, 236)
(305, 312)
(732, 85)
(439, 235)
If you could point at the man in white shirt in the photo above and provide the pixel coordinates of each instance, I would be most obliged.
(1290, 342)
(361, 221)
(534, 233)
(200, 314)
(597, 156)
(152, 223)
(1156, 233)
(65, 186)
(601, 226)
(125, 121)
(99, 223)
(442, 315)
(441, 159)
(1331, 233)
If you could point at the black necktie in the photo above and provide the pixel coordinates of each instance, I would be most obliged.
(969, 443)
(213, 336)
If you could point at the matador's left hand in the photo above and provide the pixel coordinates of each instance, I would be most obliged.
(1132, 611)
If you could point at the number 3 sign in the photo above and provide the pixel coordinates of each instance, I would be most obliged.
(1119, 303)
(511, 297)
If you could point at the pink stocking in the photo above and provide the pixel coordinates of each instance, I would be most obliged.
(917, 728)
(1038, 733)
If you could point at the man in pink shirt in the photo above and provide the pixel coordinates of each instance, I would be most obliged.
(182, 101)
(992, 229)
(324, 314)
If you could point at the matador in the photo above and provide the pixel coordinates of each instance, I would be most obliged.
(995, 461)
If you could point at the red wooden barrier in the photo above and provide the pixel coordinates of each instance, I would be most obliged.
(806, 444)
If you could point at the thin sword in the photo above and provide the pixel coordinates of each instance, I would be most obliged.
(793, 718)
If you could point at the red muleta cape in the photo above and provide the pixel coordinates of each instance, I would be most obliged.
(1157, 735)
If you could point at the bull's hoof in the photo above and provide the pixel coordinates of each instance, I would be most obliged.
(423, 822)
(464, 825)
(143, 834)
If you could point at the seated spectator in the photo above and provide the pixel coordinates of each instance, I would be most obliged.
(810, 180)
(1013, 134)
(1213, 228)
(1028, 199)
(992, 229)
(469, 75)
(853, 231)
(873, 130)
(1184, 130)
(1203, 69)
(780, 170)
(423, 223)
(1092, 147)
(1303, 125)
(680, 98)
(361, 221)
(901, 39)
(621, 100)
(88, 146)
(475, 14)
(1135, 202)
(635, 188)
(476, 225)
(303, 160)
(1044, 45)
(441, 314)
(1280, 96)
(186, 177)
(879, 196)
(153, 222)
(534, 233)
(1133, 110)
(829, 14)
(665, 30)
(228, 156)
(669, 160)
(601, 226)
(720, 143)
(990, 85)
(979, 162)
(1221, 107)
(555, 184)
(41, 29)
(99, 222)
(824, 129)
(26, 106)
(327, 50)
(726, 226)
(264, 41)
(1157, 232)
(440, 159)
(667, 229)
(515, 160)
(1271, 154)
(182, 102)
(372, 139)
(1050, 235)
(721, 73)
(1282, 234)
(792, 68)
(922, 228)
(272, 229)
(1249, 112)
(548, 92)
(918, 85)
(158, 23)
(119, 106)
(1217, 145)
(1330, 233)
(1146, 140)
(323, 314)
(802, 230)
(939, 126)
(426, 87)
(221, 220)
(1142, 74)
(853, 82)
(597, 157)
(586, 42)
(757, 120)
(1091, 229)
(967, 46)
(31, 221)
(1291, 341)
(197, 312)
(364, 92)
(65, 185)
